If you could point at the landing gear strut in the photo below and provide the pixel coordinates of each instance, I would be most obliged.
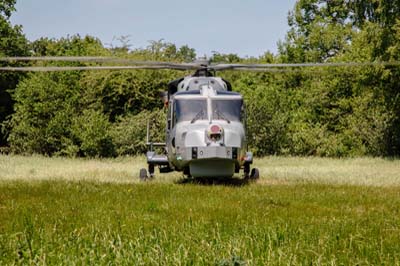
(246, 170)
(253, 175)
(151, 170)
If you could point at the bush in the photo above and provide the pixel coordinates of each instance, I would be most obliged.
(129, 132)
(91, 137)
(43, 111)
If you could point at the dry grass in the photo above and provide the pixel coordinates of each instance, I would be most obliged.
(351, 171)
(39, 168)
(274, 170)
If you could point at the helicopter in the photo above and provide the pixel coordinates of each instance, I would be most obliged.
(205, 129)
(205, 132)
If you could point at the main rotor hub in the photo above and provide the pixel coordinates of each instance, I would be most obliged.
(203, 72)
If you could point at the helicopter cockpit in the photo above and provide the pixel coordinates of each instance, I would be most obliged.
(228, 110)
(190, 110)
(193, 110)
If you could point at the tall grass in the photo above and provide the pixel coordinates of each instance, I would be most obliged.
(349, 171)
(48, 216)
(274, 170)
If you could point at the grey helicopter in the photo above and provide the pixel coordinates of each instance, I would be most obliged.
(205, 132)
(205, 129)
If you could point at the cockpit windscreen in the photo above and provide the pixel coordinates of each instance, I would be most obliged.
(229, 110)
(190, 110)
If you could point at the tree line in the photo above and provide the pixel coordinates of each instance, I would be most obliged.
(329, 111)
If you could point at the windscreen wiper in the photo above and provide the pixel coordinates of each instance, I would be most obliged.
(198, 116)
(221, 115)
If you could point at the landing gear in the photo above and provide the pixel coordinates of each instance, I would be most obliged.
(143, 173)
(246, 170)
(186, 172)
(253, 175)
(151, 170)
(154, 160)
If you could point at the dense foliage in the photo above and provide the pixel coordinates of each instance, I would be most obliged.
(350, 111)
(12, 43)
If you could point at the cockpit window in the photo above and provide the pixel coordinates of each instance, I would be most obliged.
(190, 110)
(229, 110)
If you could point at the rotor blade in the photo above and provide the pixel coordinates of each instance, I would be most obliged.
(59, 58)
(84, 68)
(135, 64)
(79, 68)
(251, 67)
(195, 65)
(94, 59)
(110, 60)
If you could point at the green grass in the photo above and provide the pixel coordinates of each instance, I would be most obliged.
(68, 211)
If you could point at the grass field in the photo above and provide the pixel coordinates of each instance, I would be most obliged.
(302, 211)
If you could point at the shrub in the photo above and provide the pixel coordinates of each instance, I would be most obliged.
(90, 132)
(129, 132)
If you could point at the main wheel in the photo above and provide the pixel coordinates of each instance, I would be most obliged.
(143, 174)
(255, 174)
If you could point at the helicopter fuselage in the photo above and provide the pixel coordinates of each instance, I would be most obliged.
(205, 131)
(206, 137)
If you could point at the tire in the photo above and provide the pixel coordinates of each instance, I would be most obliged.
(143, 174)
(255, 174)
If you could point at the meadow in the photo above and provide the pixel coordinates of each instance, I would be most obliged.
(313, 211)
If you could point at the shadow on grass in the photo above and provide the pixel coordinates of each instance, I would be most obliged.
(211, 181)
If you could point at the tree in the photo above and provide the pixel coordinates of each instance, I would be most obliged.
(12, 43)
(69, 46)
(361, 112)
(186, 53)
(319, 30)
(72, 113)
(225, 58)
(161, 50)
(6, 8)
